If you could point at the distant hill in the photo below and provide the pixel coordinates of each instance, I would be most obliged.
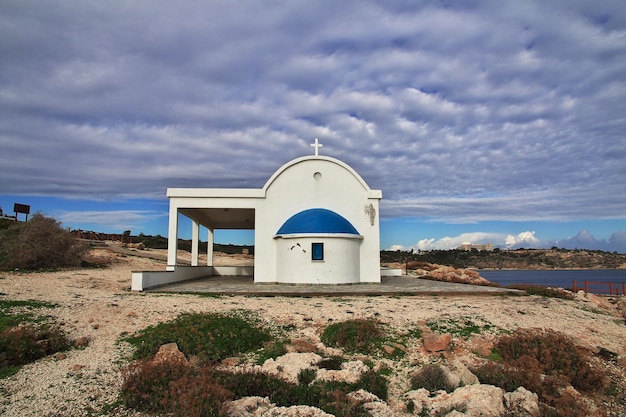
(514, 259)
(160, 242)
(498, 259)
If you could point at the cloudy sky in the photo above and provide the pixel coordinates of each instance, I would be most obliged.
(481, 121)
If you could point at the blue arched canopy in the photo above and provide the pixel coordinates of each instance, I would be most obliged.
(316, 221)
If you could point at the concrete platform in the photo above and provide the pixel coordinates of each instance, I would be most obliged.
(392, 285)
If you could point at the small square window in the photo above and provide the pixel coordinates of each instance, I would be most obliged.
(317, 251)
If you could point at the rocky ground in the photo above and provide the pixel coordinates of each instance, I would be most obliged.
(97, 304)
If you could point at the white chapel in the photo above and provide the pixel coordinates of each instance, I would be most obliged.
(315, 221)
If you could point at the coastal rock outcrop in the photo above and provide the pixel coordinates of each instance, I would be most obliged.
(475, 400)
(262, 407)
(446, 273)
(290, 364)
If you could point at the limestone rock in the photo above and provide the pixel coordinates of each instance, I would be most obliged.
(471, 400)
(522, 403)
(602, 303)
(392, 348)
(371, 403)
(248, 407)
(350, 372)
(290, 364)
(458, 375)
(436, 342)
(389, 350)
(451, 274)
(296, 411)
(419, 398)
(361, 396)
(378, 409)
(169, 353)
(234, 361)
(481, 400)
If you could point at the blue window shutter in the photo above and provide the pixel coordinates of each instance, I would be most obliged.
(317, 251)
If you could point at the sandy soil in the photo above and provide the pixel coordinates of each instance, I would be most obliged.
(97, 304)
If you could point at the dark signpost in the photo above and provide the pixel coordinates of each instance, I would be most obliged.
(21, 208)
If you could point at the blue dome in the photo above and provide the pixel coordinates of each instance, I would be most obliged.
(316, 220)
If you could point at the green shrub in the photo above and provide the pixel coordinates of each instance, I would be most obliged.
(332, 363)
(551, 353)
(374, 382)
(26, 337)
(177, 388)
(545, 362)
(40, 243)
(355, 336)
(306, 376)
(506, 377)
(244, 384)
(330, 396)
(271, 350)
(196, 395)
(180, 389)
(431, 377)
(25, 344)
(211, 336)
(146, 383)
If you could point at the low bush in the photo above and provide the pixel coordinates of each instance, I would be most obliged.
(551, 353)
(332, 363)
(176, 387)
(196, 395)
(26, 337)
(39, 243)
(431, 377)
(25, 344)
(354, 336)
(306, 376)
(271, 350)
(545, 362)
(330, 396)
(173, 386)
(210, 336)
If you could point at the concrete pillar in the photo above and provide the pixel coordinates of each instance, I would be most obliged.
(195, 239)
(209, 248)
(172, 238)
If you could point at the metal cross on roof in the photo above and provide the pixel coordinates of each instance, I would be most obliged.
(316, 145)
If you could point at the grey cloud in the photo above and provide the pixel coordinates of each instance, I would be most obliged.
(457, 110)
(585, 240)
(109, 220)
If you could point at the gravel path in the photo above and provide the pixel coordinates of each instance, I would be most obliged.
(97, 304)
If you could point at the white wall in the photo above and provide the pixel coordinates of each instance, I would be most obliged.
(150, 279)
(339, 266)
(295, 188)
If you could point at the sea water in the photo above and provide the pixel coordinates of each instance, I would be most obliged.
(557, 278)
